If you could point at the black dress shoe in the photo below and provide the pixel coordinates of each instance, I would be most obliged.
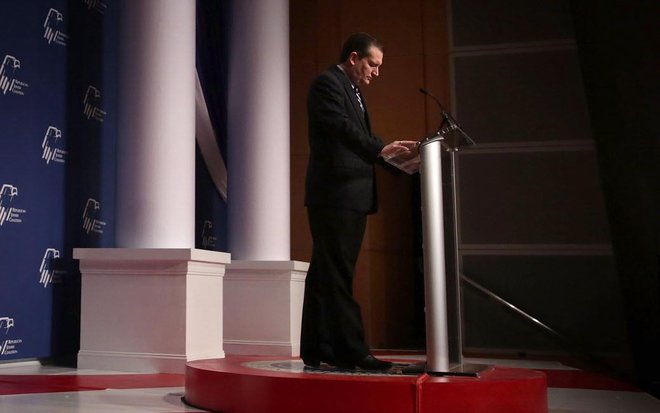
(313, 363)
(316, 363)
(322, 354)
(372, 363)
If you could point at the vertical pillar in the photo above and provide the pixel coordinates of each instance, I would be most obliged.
(259, 129)
(263, 284)
(156, 146)
(155, 302)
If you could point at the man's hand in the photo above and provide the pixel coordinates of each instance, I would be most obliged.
(397, 148)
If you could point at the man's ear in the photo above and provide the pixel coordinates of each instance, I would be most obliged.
(353, 58)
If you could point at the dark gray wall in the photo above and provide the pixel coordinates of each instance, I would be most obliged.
(618, 44)
(531, 221)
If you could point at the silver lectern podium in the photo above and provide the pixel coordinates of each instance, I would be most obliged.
(438, 351)
(435, 291)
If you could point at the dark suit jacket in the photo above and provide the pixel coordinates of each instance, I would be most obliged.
(342, 148)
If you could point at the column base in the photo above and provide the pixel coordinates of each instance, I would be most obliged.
(150, 310)
(263, 307)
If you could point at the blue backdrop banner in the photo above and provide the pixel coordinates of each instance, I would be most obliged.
(58, 131)
(57, 167)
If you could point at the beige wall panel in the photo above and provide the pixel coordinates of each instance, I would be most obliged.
(302, 29)
(391, 305)
(396, 23)
(302, 74)
(436, 81)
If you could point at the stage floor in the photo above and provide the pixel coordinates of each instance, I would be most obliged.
(245, 385)
(30, 387)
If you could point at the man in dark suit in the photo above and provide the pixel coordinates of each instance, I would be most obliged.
(340, 192)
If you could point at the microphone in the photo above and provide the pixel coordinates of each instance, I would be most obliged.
(442, 109)
(448, 118)
(427, 93)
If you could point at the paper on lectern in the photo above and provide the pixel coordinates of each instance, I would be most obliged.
(407, 161)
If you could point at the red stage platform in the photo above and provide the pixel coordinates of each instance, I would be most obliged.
(269, 385)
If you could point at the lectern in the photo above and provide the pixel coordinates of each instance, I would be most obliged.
(435, 277)
(440, 358)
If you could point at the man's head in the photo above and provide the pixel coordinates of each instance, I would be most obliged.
(361, 57)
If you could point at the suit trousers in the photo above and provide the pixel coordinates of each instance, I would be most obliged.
(332, 328)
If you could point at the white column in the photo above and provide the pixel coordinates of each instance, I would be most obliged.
(156, 145)
(264, 290)
(154, 302)
(259, 129)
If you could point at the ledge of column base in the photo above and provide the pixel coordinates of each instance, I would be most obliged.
(139, 362)
(268, 265)
(263, 307)
(161, 254)
(262, 348)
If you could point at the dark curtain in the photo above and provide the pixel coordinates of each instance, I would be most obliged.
(212, 68)
(619, 56)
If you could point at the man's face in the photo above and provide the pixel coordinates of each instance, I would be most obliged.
(363, 70)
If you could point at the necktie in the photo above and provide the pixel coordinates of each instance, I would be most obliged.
(359, 97)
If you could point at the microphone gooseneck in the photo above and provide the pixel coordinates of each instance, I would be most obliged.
(447, 117)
